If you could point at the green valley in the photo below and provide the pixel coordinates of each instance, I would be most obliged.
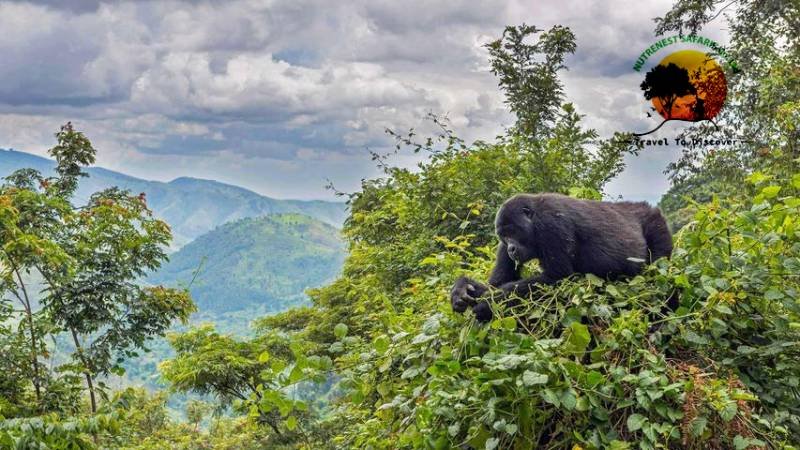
(266, 261)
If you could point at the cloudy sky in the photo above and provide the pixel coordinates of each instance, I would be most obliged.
(278, 95)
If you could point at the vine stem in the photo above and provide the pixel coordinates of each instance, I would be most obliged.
(667, 120)
(653, 130)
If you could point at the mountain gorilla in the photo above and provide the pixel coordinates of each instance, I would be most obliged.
(567, 236)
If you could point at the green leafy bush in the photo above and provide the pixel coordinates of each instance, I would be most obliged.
(586, 363)
(597, 364)
(53, 432)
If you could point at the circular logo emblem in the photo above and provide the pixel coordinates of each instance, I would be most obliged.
(686, 85)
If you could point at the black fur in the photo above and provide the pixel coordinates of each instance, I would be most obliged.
(567, 236)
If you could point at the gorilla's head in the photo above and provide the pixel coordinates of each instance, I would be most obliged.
(515, 226)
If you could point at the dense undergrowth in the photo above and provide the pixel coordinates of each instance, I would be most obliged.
(594, 363)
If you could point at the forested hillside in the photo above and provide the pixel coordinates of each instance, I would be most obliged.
(267, 261)
(379, 360)
(190, 206)
(240, 271)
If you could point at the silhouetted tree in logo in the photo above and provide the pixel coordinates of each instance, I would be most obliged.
(692, 88)
(667, 84)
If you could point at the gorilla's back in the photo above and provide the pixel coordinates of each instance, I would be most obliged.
(607, 234)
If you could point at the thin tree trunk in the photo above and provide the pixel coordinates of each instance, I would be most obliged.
(26, 303)
(87, 373)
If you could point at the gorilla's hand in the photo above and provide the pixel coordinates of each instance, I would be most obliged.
(483, 312)
(465, 293)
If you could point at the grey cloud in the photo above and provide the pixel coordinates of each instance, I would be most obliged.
(54, 58)
(75, 6)
(228, 86)
(399, 17)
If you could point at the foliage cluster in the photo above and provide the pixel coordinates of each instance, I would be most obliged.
(593, 363)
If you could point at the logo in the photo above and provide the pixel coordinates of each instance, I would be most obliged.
(687, 84)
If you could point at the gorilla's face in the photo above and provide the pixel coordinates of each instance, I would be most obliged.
(514, 226)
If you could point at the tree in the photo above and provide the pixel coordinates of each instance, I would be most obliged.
(258, 377)
(667, 84)
(19, 366)
(531, 84)
(114, 241)
(31, 212)
(147, 424)
(196, 411)
(90, 259)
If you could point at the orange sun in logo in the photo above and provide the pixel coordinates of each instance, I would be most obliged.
(686, 85)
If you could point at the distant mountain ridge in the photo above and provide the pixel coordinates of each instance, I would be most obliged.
(191, 206)
(264, 261)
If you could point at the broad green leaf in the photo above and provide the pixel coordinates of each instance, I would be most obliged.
(723, 309)
(552, 397)
(381, 344)
(453, 429)
(578, 338)
(770, 191)
(729, 411)
(773, 294)
(757, 178)
(336, 347)
(569, 399)
(440, 443)
(635, 422)
(340, 330)
(593, 378)
(530, 378)
(509, 323)
(698, 426)
(594, 279)
(583, 403)
(500, 425)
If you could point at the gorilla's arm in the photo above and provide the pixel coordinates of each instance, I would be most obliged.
(466, 292)
(556, 255)
(556, 266)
